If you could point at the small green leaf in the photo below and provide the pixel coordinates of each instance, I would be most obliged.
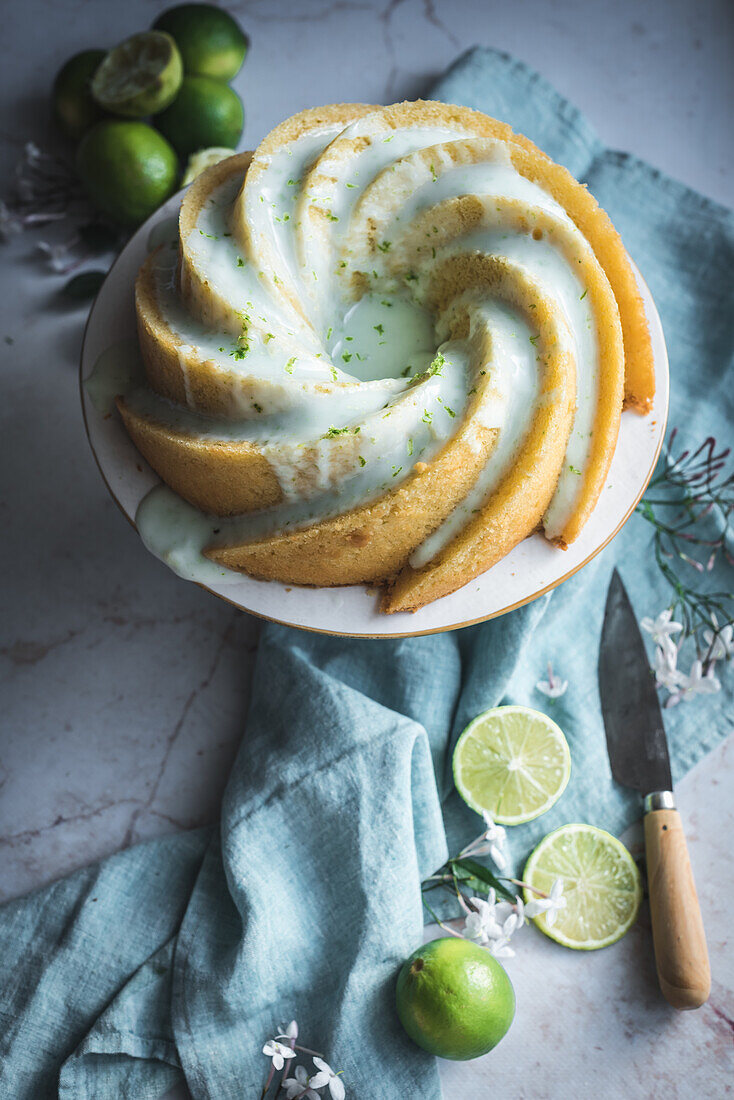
(81, 288)
(467, 869)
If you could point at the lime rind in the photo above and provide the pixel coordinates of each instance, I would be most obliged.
(601, 882)
(517, 770)
(73, 105)
(141, 76)
(210, 41)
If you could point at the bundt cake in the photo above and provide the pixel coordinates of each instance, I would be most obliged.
(385, 348)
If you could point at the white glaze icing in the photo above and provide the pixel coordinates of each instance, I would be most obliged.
(337, 367)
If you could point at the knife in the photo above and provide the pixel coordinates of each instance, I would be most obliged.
(638, 754)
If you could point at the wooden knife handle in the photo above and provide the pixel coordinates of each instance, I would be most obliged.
(677, 928)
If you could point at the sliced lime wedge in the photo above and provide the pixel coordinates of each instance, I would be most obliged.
(513, 763)
(139, 77)
(601, 884)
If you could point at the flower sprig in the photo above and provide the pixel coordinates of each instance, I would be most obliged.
(45, 189)
(486, 920)
(690, 505)
(45, 192)
(281, 1050)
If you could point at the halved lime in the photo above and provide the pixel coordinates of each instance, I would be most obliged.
(513, 763)
(139, 77)
(72, 101)
(601, 884)
(210, 41)
(205, 158)
(205, 112)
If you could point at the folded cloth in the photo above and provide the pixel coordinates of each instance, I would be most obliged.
(182, 957)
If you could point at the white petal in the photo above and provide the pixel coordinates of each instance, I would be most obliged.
(319, 1079)
(336, 1088)
(321, 1064)
(498, 856)
(510, 926)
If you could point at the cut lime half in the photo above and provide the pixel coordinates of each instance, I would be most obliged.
(601, 884)
(513, 763)
(139, 77)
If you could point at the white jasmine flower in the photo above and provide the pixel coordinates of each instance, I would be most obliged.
(665, 662)
(326, 1076)
(299, 1085)
(695, 683)
(511, 916)
(554, 686)
(57, 255)
(493, 842)
(662, 627)
(720, 641)
(551, 905)
(500, 948)
(482, 924)
(278, 1052)
(291, 1032)
(494, 923)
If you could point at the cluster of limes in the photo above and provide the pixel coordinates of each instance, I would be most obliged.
(513, 763)
(155, 101)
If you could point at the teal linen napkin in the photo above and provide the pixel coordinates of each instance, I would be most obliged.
(183, 956)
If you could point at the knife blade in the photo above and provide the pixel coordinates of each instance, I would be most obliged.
(636, 741)
(638, 755)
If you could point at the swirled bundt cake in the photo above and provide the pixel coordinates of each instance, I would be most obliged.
(387, 347)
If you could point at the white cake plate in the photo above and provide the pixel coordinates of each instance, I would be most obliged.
(532, 568)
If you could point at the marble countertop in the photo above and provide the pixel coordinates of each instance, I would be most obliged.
(124, 688)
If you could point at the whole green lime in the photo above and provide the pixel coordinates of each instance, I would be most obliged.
(127, 168)
(454, 1000)
(71, 99)
(210, 41)
(204, 113)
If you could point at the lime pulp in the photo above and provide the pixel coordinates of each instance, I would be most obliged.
(139, 77)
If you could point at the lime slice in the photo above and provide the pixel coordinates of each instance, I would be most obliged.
(210, 41)
(73, 106)
(139, 77)
(205, 158)
(206, 112)
(513, 763)
(601, 884)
